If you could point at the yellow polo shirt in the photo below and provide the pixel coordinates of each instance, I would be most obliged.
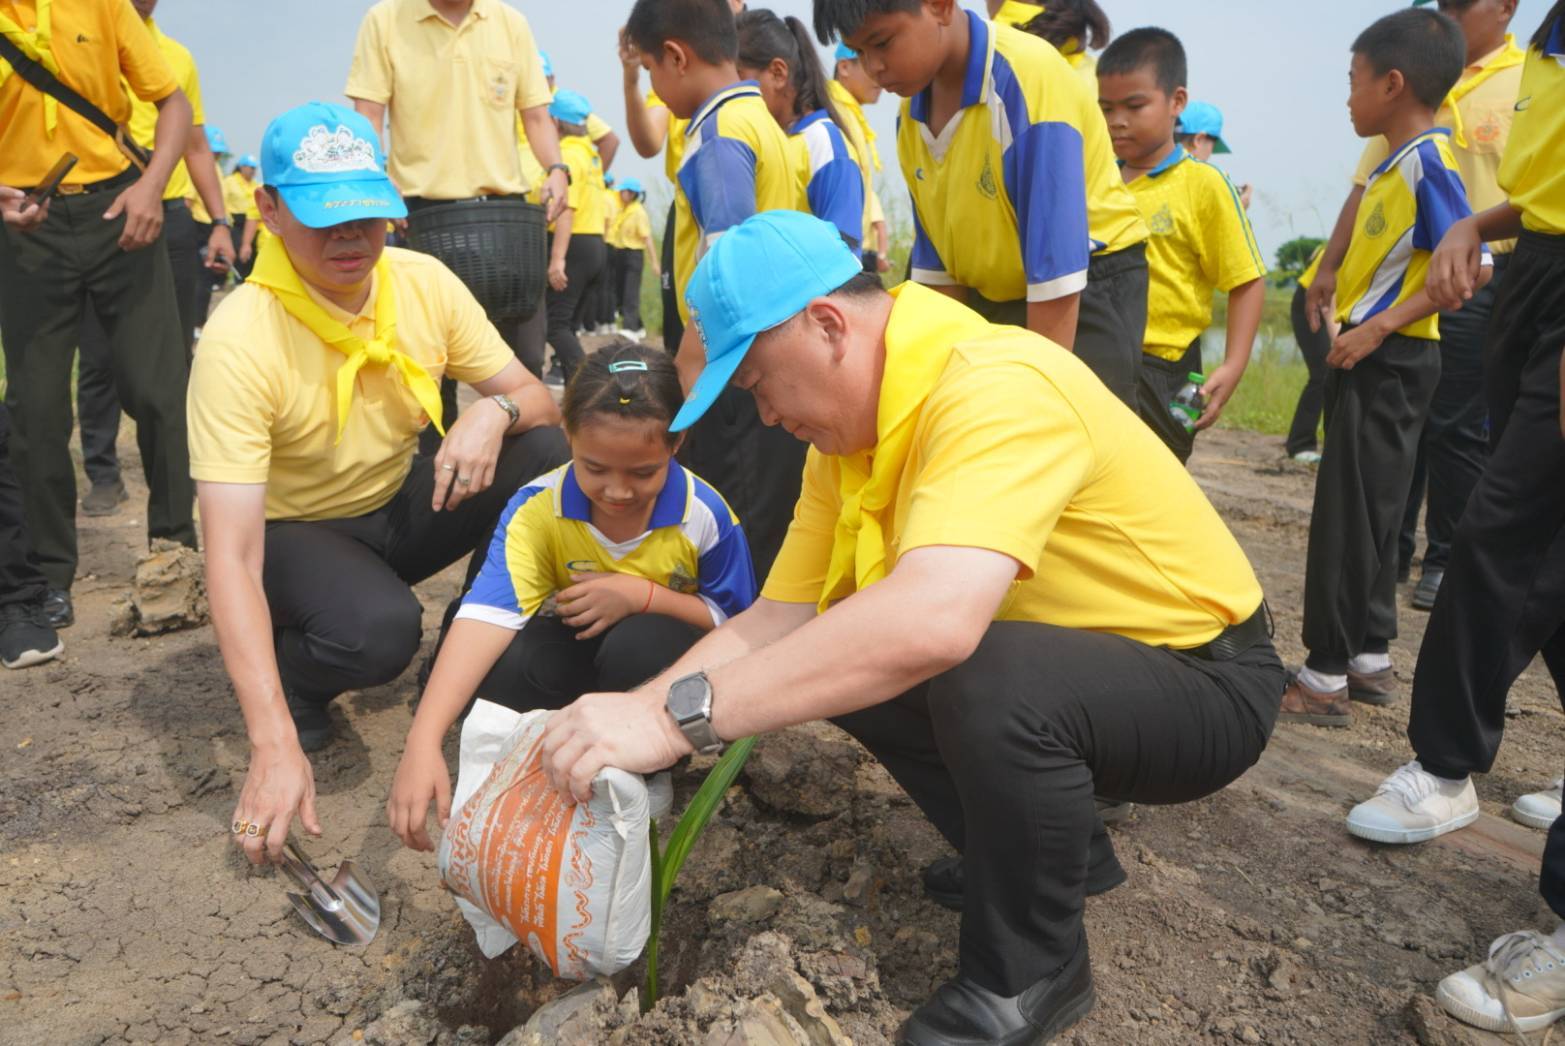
(144, 115)
(1307, 277)
(674, 144)
(1484, 113)
(1020, 449)
(611, 209)
(262, 403)
(633, 227)
(239, 196)
(453, 93)
(1533, 171)
(198, 209)
(585, 196)
(1201, 242)
(107, 55)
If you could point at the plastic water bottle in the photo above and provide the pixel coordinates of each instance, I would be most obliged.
(1188, 404)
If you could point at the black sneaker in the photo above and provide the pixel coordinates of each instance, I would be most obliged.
(312, 721)
(25, 640)
(1428, 588)
(963, 1012)
(104, 499)
(57, 610)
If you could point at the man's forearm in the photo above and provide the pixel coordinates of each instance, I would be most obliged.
(168, 139)
(543, 138)
(765, 622)
(1056, 319)
(203, 173)
(243, 624)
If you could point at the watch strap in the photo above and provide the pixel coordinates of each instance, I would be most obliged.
(506, 404)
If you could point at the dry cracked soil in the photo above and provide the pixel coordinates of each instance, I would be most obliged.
(126, 916)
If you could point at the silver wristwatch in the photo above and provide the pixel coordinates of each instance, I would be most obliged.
(508, 406)
(690, 703)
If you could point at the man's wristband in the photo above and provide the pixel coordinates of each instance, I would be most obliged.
(224, 222)
(559, 167)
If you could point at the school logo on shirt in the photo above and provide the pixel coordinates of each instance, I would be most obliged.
(986, 184)
(1377, 221)
(1162, 223)
(681, 581)
(499, 89)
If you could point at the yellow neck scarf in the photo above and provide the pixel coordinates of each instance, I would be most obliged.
(848, 105)
(918, 346)
(35, 45)
(274, 271)
(1015, 13)
(1508, 57)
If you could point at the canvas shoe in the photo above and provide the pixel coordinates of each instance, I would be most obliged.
(1539, 809)
(1413, 805)
(1519, 988)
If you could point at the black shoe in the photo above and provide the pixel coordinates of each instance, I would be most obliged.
(312, 720)
(57, 610)
(961, 1013)
(1428, 588)
(25, 639)
(945, 883)
(104, 499)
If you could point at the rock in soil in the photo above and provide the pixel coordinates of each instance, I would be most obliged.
(169, 593)
(805, 770)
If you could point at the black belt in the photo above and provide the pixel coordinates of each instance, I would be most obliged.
(126, 177)
(418, 203)
(1236, 639)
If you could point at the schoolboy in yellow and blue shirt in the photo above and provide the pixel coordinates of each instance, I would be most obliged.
(1385, 365)
(1014, 188)
(1201, 239)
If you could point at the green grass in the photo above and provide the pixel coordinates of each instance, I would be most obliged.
(1269, 390)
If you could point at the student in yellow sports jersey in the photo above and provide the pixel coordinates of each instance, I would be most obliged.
(1018, 207)
(1072, 26)
(576, 252)
(1498, 608)
(633, 233)
(1314, 344)
(600, 575)
(1385, 365)
(306, 399)
(734, 161)
(1201, 239)
(851, 90)
(996, 580)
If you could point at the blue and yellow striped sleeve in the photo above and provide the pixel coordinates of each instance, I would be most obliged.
(834, 181)
(718, 177)
(1441, 198)
(517, 575)
(725, 572)
(927, 266)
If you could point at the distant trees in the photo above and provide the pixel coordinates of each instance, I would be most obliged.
(1293, 258)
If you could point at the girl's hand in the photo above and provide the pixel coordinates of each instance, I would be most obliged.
(421, 776)
(598, 601)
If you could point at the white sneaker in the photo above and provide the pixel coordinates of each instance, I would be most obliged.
(1519, 988)
(1307, 457)
(1539, 809)
(1413, 805)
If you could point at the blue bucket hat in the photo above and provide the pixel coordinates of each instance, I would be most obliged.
(570, 106)
(1204, 118)
(326, 163)
(631, 185)
(248, 160)
(759, 275)
(215, 140)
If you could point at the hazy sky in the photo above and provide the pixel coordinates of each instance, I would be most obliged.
(1277, 69)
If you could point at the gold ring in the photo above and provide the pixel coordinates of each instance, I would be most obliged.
(252, 829)
(464, 480)
(239, 827)
(448, 468)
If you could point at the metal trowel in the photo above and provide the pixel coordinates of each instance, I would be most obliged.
(345, 910)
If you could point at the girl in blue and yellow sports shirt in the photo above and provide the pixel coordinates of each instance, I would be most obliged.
(601, 573)
(778, 54)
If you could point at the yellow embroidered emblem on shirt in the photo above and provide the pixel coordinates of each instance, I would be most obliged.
(1162, 223)
(682, 581)
(1377, 221)
(986, 184)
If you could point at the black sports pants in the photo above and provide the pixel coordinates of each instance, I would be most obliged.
(1004, 753)
(1158, 382)
(631, 262)
(1314, 346)
(21, 582)
(585, 257)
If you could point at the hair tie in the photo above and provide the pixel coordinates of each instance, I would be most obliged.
(623, 365)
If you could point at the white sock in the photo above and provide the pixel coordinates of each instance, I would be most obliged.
(1364, 664)
(1320, 682)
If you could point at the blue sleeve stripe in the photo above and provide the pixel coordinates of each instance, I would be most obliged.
(708, 496)
(836, 191)
(1244, 219)
(1440, 197)
(493, 586)
(927, 266)
(1046, 181)
(1009, 89)
(719, 182)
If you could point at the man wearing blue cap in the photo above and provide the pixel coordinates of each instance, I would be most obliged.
(994, 579)
(313, 381)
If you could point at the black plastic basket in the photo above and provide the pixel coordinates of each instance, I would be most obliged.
(498, 247)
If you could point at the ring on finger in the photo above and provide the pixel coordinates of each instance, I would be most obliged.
(448, 468)
(464, 480)
(252, 829)
(238, 827)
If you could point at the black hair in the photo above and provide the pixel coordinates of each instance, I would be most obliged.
(860, 285)
(764, 37)
(834, 18)
(707, 26)
(1147, 48)
(1426, 47)
(1541, 37)
(1065, 20)
(627, 380)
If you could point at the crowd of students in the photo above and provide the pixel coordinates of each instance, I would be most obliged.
(777, 518)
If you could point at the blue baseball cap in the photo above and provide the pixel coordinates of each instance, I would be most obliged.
(215, 140)
(326, 163)
(846, 53)
(548, 66)
(631, 185)
(758, 275)
(570, 106)
(1204, 118)
(248, 160)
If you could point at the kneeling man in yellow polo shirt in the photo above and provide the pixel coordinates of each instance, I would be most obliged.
(306, 401)
(995, 579)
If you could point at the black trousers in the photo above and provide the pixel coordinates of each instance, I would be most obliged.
(589, 307)
(584, 260)
(758, 468)
(546, 666)
(344, 616)
(1455, 446)
(1374, 414)
(206, 281)
(97, 405)
(21, 582)
(1112, 319)
(1314, 346)
(631, 263)
(1158, 382)
(1004, 753)
(49, 278)
(673, 326)
(242, 269)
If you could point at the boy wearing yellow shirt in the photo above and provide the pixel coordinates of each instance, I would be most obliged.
(306, 400)
(1201, 239)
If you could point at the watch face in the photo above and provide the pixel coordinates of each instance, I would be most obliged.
(687, 698)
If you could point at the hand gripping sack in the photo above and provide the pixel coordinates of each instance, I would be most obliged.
(573, 880)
